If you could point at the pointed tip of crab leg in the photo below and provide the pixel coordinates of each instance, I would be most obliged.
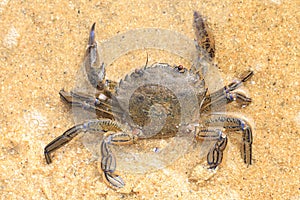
(196, 15)
(92, 34)
(93, 26)
(113, 180)
(247, 75)
(47, 156)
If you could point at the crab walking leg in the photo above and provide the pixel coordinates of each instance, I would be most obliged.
(230, 124)
(108, 165)
(108, 161)
(227, 94)
(100, 125)
(86, 102)
(61, 141)
(215, 154)
(94, 70)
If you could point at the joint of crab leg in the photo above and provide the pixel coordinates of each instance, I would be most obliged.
(238, 97)
(86, 102)
(89, 99)
(215, 155)
(76, 100)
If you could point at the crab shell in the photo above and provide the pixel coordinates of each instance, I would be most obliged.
(160, 100)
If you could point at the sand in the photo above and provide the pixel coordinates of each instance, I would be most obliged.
(42, 44)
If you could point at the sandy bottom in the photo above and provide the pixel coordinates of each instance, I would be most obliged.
(42, 45)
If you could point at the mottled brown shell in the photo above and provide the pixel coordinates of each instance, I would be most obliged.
(160, 99)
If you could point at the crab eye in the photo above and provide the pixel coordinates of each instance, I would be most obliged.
(180, 67)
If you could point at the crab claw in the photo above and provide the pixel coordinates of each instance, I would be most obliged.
(94, 68)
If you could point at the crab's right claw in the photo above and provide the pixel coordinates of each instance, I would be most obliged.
(94, 68)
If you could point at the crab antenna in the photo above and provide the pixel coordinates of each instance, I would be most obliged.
(147, 60)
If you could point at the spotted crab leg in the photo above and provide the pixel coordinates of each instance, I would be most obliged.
(108, 161)
(230, 124)
(227, 94)
(101, 125)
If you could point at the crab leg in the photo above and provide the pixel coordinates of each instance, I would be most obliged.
(85, 101)
(229, 123)
(108, 165)
(101, 125)
(227, 94)
(108, 161)
(215, 154)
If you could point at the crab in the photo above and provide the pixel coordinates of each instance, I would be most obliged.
(112, 97)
